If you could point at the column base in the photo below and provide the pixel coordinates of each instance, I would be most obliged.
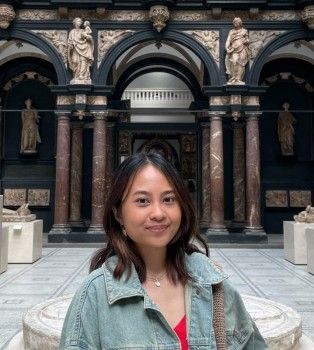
(254, 230)
(77, 225)
(217, 231)
(60, 229)
(96, 229)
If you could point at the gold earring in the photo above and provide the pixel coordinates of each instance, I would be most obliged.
(124, 231)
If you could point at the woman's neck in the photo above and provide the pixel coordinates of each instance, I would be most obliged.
(155, 260)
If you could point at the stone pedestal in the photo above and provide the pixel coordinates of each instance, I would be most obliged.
(3, 249)
(294, 241)
(279, 325)
(309, 232)
(25, 241)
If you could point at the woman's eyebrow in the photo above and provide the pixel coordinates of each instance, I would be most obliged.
(148, 193)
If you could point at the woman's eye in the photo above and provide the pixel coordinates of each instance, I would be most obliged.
(142, 201)
(170, 199)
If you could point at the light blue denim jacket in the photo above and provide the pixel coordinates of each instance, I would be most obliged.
(107, 313)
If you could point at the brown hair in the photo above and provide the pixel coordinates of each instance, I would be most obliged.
(124, 247)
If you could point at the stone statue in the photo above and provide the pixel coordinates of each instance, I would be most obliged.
(21, 214)
(237, 57)
(286, 130)
(30, 133)
(80, 52)
(306, 215)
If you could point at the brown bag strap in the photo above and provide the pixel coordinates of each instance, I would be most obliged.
(219, 317)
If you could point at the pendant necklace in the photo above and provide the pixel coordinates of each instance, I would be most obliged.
(157, 279)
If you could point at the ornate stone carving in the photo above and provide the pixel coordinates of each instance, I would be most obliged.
(14, 196)
(159, 15)
(37, 15)
(219, 100)
(58, 38)
(24, 76)
(65, 100)
(108, 38)
(250, 100)
(124, 142)
(7, 15)
(300, 198)
(279, 15)
(306, 215)
(259, 39)
(286, 76)
(276, 198)
(208, 38)
(80, 51)
(237, 53)
(80, 99)
(308, 16)
(97, 100)
(38, 197)
(189, 16)
(235, 99)
(22, 214)
(128, 16)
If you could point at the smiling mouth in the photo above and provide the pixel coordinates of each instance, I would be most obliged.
(159, 228)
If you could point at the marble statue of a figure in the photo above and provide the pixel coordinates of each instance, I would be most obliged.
(30, 133)
(306, 215)
(80, 51)
(286, 131)
(237, 57)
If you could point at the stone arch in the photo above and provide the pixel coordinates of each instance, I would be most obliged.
(103, 74)
(43, 45)
(280, 41)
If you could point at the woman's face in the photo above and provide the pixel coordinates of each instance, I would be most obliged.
(150, 211)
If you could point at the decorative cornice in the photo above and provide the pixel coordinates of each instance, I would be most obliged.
(159, 15)
(24, 76)
(7, 15)
(37, 15)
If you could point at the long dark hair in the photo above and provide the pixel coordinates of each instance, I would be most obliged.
(124, 247)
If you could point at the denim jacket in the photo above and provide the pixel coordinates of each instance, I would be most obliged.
(117, 314)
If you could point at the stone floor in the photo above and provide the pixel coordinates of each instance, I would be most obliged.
(259, 272)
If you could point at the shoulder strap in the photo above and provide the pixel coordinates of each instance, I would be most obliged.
(219, 317)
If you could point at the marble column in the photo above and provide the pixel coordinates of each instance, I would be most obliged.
(216, 175)
(238, 174)
(62, 186)
(205, 219)
(99, 173)
(253, 182)
(109, 157)
(76, 175)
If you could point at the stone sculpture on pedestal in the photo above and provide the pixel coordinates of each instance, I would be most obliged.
(80, 52)
(237, 57)
(21, 214)
(306, 215)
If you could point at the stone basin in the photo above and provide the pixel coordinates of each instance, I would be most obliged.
(280, 325)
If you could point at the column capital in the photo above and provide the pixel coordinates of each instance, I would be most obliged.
(99, 115)
(253, 114)
(63, 115)
(216, 115)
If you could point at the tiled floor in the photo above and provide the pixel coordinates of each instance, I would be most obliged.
(259, 272)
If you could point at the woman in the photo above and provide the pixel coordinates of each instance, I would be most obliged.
(150, 288)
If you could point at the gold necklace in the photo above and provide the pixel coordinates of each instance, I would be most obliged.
(156, 279)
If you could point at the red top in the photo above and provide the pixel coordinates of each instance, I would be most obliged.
(180, 330)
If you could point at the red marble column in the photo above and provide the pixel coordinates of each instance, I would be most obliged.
(61, 225)
(99, 172)
(76, 175)
(205, 220)
(253, 183)
(109, 157)
(216, 175)
(238, 174)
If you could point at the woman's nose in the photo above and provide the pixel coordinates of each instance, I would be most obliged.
(157, 212)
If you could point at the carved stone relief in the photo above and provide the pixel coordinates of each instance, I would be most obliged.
(250, 100)
(219, 100)
(14, 196)
(279, 15)
(37, 15)
(108, 38)
(259, 39)
(128, 16)
(65, 100)
(97, 100)
(124, 146)
(300, 198)
(39, 197)
(58, 38)
(276, 198)
(283, 76)
(159, 15)
(209, 39)
(190, 16)
(7, 15)
(308, 16)
(25, 76)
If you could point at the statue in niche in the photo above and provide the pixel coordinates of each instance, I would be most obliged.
(238, 54)
(30, 133)
(286, 130)
(80, 51)
(306, 215)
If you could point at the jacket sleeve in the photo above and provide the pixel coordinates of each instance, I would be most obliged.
(241, 330)
(80, 327)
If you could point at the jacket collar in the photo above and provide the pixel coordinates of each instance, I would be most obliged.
(202, 269)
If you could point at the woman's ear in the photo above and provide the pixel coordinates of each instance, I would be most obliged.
(117, 215)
